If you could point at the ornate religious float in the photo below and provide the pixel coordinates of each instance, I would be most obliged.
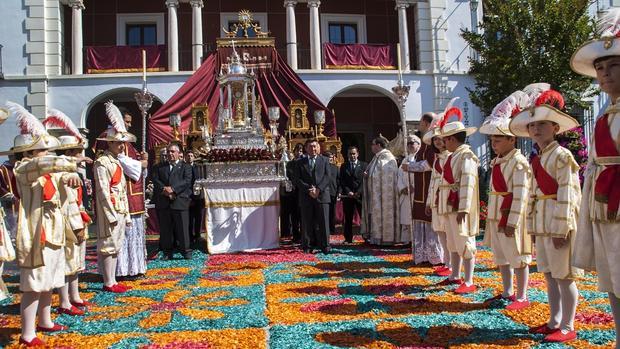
(242, 112)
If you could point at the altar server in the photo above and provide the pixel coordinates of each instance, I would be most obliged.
(405, 187)
(439, 222)
(111, 199)
(554, 198)
(40, 232)
(505, 230)
(459, 200)
(598, 242)
(76, 218)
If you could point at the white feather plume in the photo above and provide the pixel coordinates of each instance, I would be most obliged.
(609, 23)
(27, 123)
(115, 117)
(450, 105)
(535, 90)
(59, 119)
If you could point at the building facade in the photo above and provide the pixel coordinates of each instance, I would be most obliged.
(50, 47)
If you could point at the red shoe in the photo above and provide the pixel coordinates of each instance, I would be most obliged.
(518, 305)
(443, 271)
(125, 287)
(114, 289)
(440, 267)
(465, 289)
(54, 328)
(447, 282)
(83, 304)
(561, 337)
(543, 329)
(73, 311)
(35, 342)
(499, 297)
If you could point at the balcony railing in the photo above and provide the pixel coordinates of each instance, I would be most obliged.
(124, 59)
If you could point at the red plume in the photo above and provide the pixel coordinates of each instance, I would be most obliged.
(59, 119)
(454, 111)
(552, 98)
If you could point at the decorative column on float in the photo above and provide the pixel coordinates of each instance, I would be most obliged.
(77, 45)
(315, 35)
(173, 35)
(291, 33)
(403, 34)
(197, 50)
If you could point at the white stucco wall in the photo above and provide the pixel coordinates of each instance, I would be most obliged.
(458, 16)
(13, 37)
(14, 91)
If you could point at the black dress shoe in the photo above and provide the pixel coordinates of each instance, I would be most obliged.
(307, 250)
(326, 250)
(166, 257)
(187, 255)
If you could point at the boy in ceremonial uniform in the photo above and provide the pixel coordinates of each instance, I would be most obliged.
(111, 200)
(439, 224)
(40, 232)
(552, 214)
(77, 220)
(598, 242)
(507, 211)
(458, 200)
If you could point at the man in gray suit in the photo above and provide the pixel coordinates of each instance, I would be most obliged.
(172, 189)
(312, 180)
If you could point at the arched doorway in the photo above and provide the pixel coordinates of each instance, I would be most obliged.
(362, 113)
(96, 120)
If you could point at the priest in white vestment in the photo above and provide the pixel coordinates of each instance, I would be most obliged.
(380, 207)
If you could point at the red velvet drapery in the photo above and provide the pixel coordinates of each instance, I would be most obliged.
(359, 56)
(122, 59)
(277, 85)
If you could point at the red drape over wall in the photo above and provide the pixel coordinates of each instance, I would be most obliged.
(277, 85)
(123, 59)
(359, 56)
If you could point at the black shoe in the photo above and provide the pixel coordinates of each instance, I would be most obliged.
(326, 250)
(307, 250)
(167, 257)
(187, 255)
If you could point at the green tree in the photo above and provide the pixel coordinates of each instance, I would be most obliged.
(526, 41)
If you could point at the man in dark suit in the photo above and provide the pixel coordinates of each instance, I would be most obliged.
(312, 180)
(333, 189)
(172, 181)
(196, 205)
(351, 177)
(289, 202)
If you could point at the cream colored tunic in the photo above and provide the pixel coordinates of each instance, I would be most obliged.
(41, 260)
(405, 184)
(556, 216)
(75, 254)
(464, 165)
(112, 205)
(439, 220)
(515, 251)
(598, 243)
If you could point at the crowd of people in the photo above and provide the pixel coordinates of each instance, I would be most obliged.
(430, 200)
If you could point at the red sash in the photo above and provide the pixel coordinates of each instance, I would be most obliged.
(115, 180)
(453, 196)
(440, 171)
(85, 217)
(500, 186)
(48, 194)
(547, 184)
(605, 190)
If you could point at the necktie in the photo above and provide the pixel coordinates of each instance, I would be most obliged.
(312, 163)
(352, 167)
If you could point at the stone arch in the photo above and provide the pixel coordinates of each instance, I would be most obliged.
(93, 116)
(363, 111)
